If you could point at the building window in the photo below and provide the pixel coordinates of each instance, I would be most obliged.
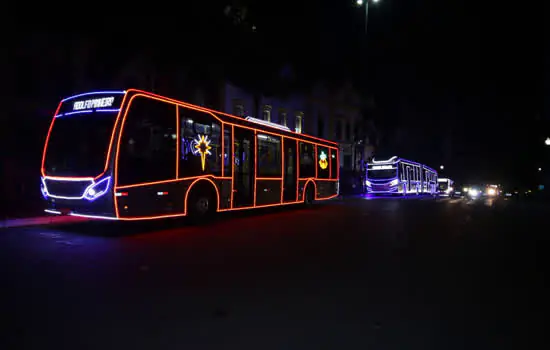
(266, 113)
(238, 108)
(299, 121)
(338, 129)
(320, 126)
(282, 117)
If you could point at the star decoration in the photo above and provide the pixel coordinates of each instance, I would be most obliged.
(203, 147)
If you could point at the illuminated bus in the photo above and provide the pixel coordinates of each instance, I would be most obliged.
(134, 155)
(400, 176)
(445, 187)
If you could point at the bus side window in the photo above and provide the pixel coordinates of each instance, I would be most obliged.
(307, 163)
(269, 156)
(228, 155)
(148, 142)
(322, 163)
(196, 128)
(334, 163)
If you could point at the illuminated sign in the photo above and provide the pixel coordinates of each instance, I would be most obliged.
(93, 103)
(202, 144)
(90, 102)
(382, 167)
(323, 160)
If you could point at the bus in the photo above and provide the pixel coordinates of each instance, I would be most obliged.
(400, 176)
(445, 187)
(135, 155)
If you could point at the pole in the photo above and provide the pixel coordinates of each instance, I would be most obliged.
(366, 16)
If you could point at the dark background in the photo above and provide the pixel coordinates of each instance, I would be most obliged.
(454, 83)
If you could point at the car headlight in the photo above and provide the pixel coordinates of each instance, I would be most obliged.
(473, 192)
(98, 189)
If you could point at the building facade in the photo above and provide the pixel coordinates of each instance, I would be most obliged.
(289, 111)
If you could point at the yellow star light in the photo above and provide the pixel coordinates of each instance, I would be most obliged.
(323, 160)
(203, 147)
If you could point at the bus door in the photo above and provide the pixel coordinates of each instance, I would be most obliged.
(243, 187)
(290, 181)
(409, 178)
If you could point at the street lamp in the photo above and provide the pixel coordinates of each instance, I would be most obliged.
(540, 169)
(441, 167)
(366, 3)
(547, 141)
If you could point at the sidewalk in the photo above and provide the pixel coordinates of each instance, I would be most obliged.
(40, 220)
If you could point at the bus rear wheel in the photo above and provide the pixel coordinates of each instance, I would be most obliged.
(309, 198)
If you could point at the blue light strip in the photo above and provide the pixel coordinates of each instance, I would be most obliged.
(88, 111)
(94, 93)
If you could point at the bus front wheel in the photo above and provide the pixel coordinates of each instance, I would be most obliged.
(201, 204)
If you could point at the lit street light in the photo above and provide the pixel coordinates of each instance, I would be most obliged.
(540, 169)
(366, 3)
(547, 141)
(441, 167)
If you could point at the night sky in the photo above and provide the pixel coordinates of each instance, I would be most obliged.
(455, 83)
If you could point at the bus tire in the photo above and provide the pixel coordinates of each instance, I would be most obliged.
(309, 197)
(201, 203)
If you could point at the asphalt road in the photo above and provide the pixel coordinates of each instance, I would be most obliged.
(349, 274)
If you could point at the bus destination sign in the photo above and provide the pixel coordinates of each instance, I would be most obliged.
(103, 102)
(87, 103)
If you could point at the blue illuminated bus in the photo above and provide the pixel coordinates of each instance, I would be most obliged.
(134, 155)
(400, 176)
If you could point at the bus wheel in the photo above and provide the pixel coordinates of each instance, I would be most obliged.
(310, 195)
(201, 204)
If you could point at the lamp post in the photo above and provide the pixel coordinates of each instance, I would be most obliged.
(547, 141)
(366, 4)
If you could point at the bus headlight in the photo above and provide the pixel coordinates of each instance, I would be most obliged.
(43, 188)
(368, 183)
(394, 182)
(98, 189)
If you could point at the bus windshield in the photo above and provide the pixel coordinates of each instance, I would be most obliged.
(381, 173)
(78, 144)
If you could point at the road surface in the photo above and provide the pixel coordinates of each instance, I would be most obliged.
(350, 274)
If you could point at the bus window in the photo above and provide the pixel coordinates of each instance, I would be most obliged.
(148, 143)
(269, 156)
(322, 163)
(227, 141)
(334, 163)
(307, 166)
(199, 129)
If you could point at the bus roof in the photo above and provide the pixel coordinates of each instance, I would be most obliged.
(251, 122)
(396, 159)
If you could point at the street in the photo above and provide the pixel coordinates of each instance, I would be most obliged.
(357, 273)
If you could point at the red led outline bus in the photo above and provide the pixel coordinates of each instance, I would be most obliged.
(135, 155)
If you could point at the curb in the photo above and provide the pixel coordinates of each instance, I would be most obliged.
(39, 220)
